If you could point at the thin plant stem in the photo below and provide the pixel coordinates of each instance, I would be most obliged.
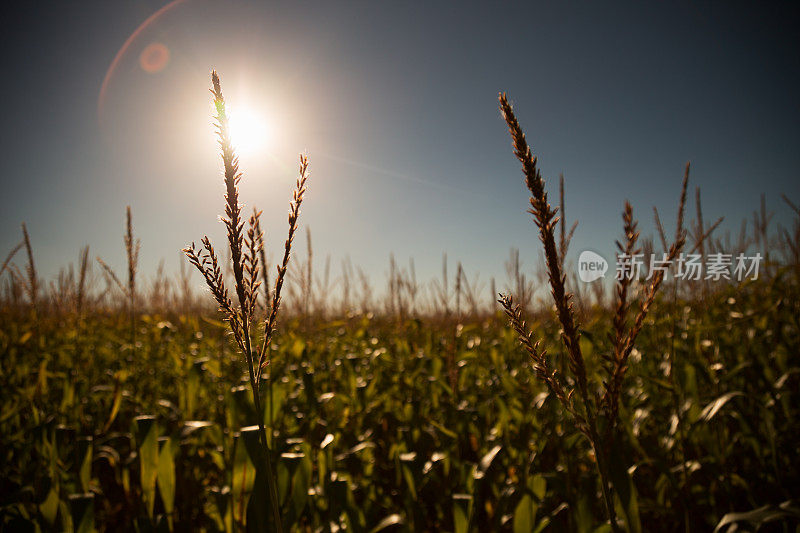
(246, 250)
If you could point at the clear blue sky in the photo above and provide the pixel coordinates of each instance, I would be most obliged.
(396, 106)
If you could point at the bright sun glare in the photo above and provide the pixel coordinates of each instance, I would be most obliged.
(249, 131)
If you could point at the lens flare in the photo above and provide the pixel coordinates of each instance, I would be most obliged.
(154, 58)
(112, 68)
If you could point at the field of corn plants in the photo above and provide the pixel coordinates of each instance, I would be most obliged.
(658, 405)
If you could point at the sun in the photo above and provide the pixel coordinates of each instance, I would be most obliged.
(249, 131)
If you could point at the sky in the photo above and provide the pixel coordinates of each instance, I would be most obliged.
(395, 103)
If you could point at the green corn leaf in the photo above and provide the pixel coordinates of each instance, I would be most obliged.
(387, 523)
(166, 477)
(84, 460)
(710, 410)
(762, 515)
(242, 480)
(258, 508)
(488, 459)
(524, 514)
(147, 441)
(49, 507)
(462, 511)
(82, 511)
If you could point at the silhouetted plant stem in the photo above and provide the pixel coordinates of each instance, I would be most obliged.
(588, 410)
(248, 261)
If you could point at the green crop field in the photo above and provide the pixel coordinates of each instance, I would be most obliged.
(369, 426)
